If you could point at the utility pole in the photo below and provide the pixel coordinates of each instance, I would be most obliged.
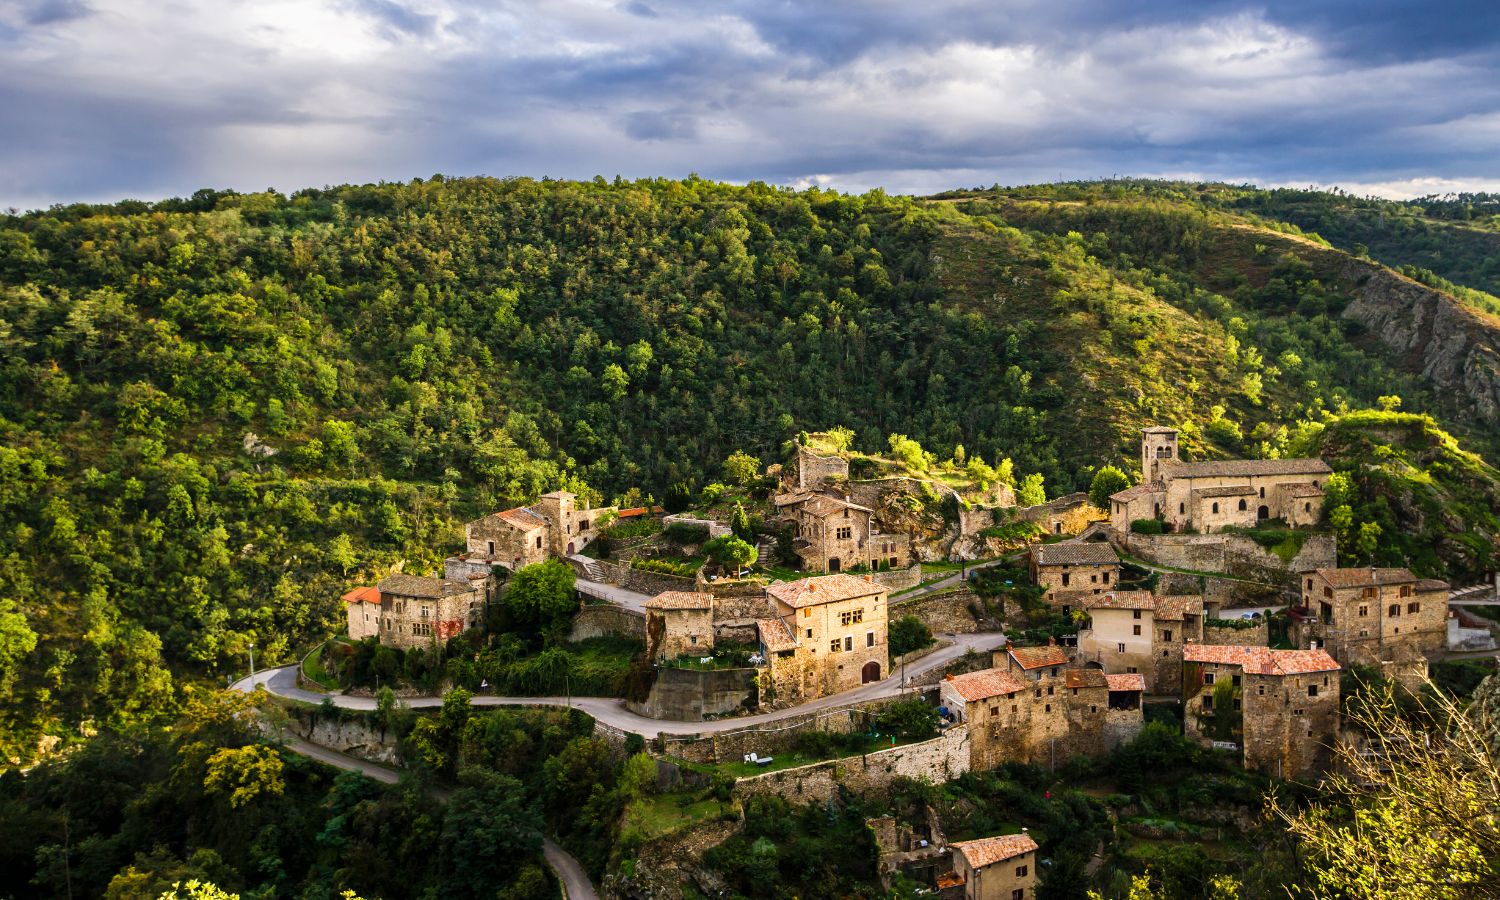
(252, 663)
(568, 685)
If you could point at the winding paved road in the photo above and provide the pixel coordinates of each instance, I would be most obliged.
(282, 682)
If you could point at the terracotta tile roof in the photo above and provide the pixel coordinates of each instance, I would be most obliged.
(419, 586)
(1244, 468)
(948, 880)
(1038, 657)
(363, 595)
(1431, 584)
(561, 495)
(1365, 577)
(521, 518)
(1120, 600)
(1129, 682)
(1240, 490)
(823, 589)
(990, 850)
(681, 600)
(1177, 607)
(1262, 660)
(1076, 553)
(822, 507)
(776, 635)
(985, 684)
(631, 513)
(1085, 678)
(1140, 490)
(793, 498)
(1301, 490)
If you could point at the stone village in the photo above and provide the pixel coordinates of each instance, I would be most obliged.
(1181, 635)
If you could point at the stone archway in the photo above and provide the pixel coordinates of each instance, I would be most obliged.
(870, 672)
(570, 548)
(1263, 513)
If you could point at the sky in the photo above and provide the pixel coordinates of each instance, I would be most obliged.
(108, 99)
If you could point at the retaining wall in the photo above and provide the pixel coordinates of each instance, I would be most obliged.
(1231, 554)
(899, 579)
(770, 738)
(1258, 636)
(607, 620)
(948, 612)
(690, 694)
(941, 759)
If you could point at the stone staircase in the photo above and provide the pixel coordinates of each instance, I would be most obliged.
(766, 551)
(587, 568)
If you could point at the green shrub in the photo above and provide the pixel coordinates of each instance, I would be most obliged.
(666, 567)
(909, 633)
(1147, 526)
(685, 533)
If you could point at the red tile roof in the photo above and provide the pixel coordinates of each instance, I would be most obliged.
(1038, 657)
(1120, 600)
(990, 850)
(1262, 660)
(363, 595)
(1140, 490)
(1084, 678)
(1127, 682)
(823, 589)
(681, 600)
(1247, 468)
(985, 684)
(776, 635)
(1076, 553)
(521, 518)
(1362, 576)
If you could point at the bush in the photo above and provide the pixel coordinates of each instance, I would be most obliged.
(632, 528)
(1147, 526)
(908, 720)
(909, 633)
(684, 533)
(665, 567)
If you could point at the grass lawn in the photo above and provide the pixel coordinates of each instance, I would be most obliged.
(312, 669)
(655, 817)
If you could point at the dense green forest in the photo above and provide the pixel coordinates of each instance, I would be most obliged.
(216, 413)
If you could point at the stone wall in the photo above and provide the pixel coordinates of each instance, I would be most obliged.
(935, 761)
(947, 612)
(1069, 514)
(813, 470)
(644, 582)
(900, 579)
(1223, 593)
(353, 736)
(1229, 636)
(1122, 725)
(603, 620)
(715, 529)
(1231, 554)
(769, 739)
(688, 695)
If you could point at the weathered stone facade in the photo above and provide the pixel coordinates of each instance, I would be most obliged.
(686, 625)
(825, 635)
(1135, 632)
(411, 611)
(833, 535)
(934, 761)
(1069, 570)
(1208, 496)
(1373, 617)
(691, 694)
(997, 868)
(814, 471)
(553, 526)
(607, 620)
(1232, 554)
(1283, 705)
(1069, 514)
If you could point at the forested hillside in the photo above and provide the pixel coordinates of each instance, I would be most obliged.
(408, 356)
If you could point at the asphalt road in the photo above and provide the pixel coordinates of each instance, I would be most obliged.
(611, 711)
(575, 881)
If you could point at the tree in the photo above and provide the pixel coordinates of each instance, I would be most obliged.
(614, 381)
(741, 468)
(739, 523)
(244, 773)
(908, 633)
(540, 597)
(909, 453)
(489, 833)
(1410, 815)
(1031, 492)
(907, 719)
(731, 552)
(1107, 481)
(16, 641)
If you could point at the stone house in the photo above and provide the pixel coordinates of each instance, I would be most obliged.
(1209, 496)
(1034, 706)
(831, 534)
(824, 635)
(814, 471)
(679, 623)
(1070, 570)
(363, 611)
(997, 868)
(1373, 617)
(1278, 708)
(553, 526)
(1136, 632)
(415, 611)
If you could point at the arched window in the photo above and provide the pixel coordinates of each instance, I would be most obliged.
(1216, 507)
(1242, 506)
(1182, 509)
(1307, 507)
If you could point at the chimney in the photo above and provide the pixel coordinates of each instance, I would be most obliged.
(949, 677)
(870, 578)
(1051, 641)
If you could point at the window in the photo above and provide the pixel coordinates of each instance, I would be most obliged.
(1236, 703)
(1262, 493)
(693, 639)
(1413, 607)
(1364, 610)
(1038, 693)
(1208, 678)
(1208, 702)
(869, 638)
(1309, 584)
(1216, 507)
(807, 612)
(1242, 506)
(1093, 579)
(1047, 708)
(539, 542)
(833, 645)
(1164, 654)
(1260, 689)
(844, 533)
(1368, 593)
(849, 643)
(491, 551)
(1136, 630)
(1307, 507)
(1020, 871)
(1065, 579)
(1049, 690)
(1296, 712)
(1312, 690)
(1182, 509)
(809, 632)
(851, 616)
(1075, 692)
(1406, 590)
(1394, 610)
(1104, 577)
(1234, 680)
(1054, 671)
(1135, 614)
(1131, 670)
(1119, 648)
(1166, 636)
(1018, 894)
(1327, 592)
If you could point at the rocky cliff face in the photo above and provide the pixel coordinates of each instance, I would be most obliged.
(1454, 346)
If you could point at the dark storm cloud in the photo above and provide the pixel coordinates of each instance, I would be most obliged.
(122, 97)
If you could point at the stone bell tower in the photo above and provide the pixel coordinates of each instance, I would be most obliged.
(1158, 449)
